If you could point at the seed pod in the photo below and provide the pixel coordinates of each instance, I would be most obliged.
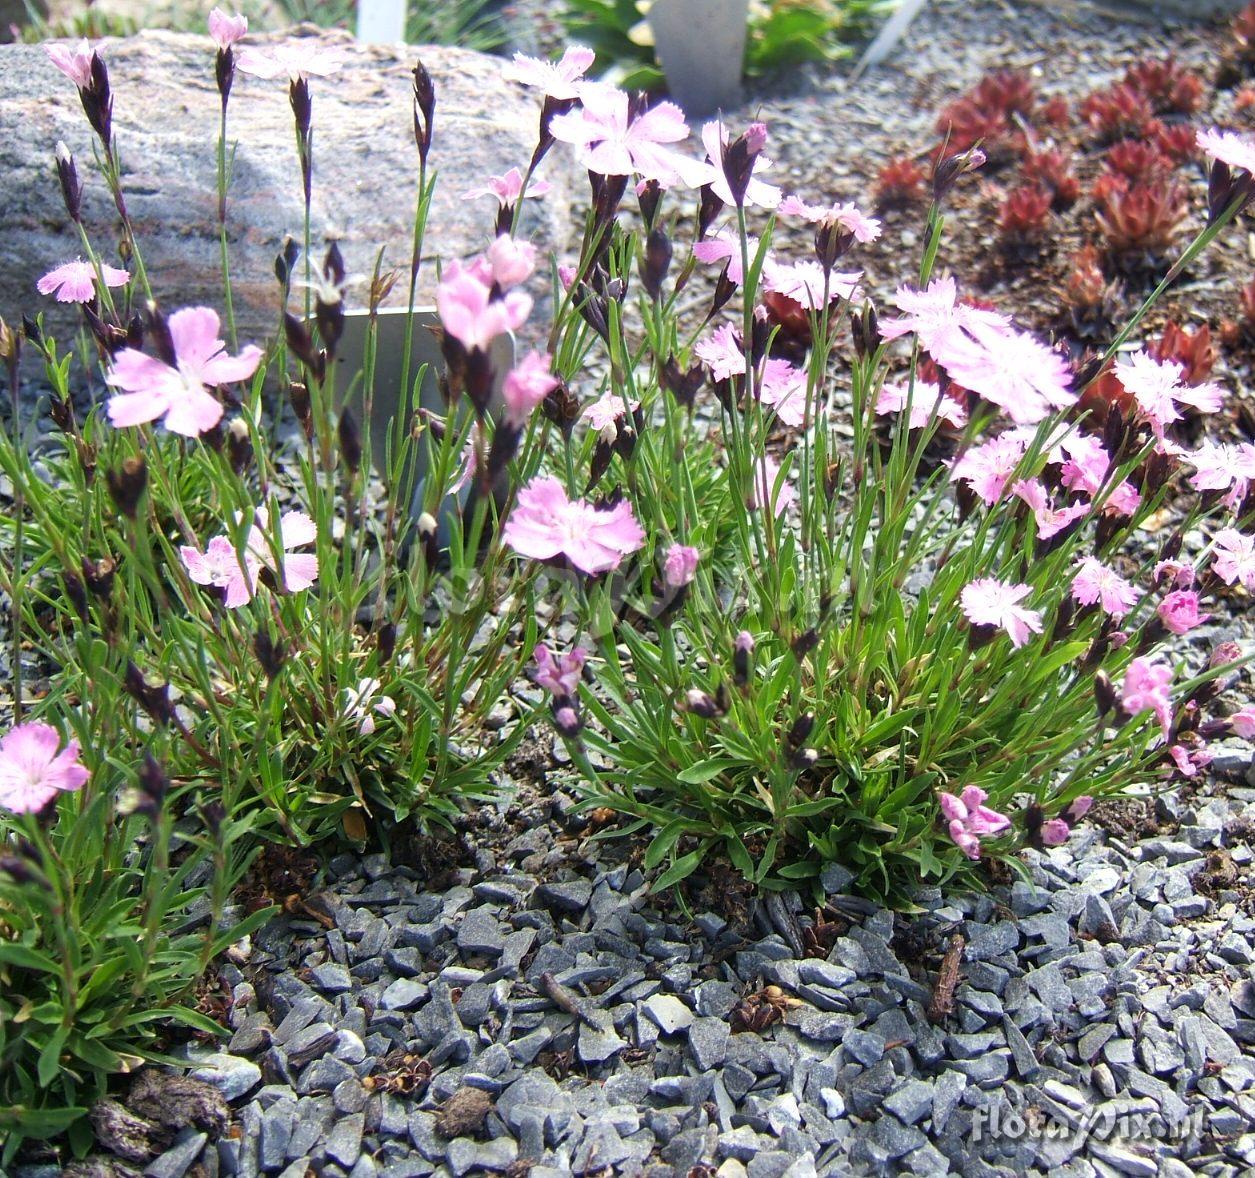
(127, 485)
(350, 441)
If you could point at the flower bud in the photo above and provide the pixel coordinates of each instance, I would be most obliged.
(800, 731)
(949, 168)
(271, 652)
(154, 700)
(127, 485)
(683, 386)
(424, 110)
(428, 533)
(804, 643)
(739, 157)
(699, 703)
(386, 641)
(742, 649)
(298, 396)
(655, 262)
(709, 210)
(285, 262)
(649, 197)
(239, 445)
(1105, 697)
(149, 794)
(350, 441)
(98, 576)
(71, 185)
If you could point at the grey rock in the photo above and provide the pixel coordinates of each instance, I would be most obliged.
(668, 1013)
(345, 1141)
(571, 897)
(912, 1102)
(178, 1159)
(479, 932)
(599, 1043)
(331, 978)
(230, 1074)
(708, 1042)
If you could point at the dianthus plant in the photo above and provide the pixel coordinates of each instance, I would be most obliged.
(914, 604)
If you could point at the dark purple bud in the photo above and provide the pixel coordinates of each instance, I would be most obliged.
(350, 441)
(424, 110)
(127, 484)
(1105, 697)
(649, 197)
(804, 643)
(224, 72)
(739, 158)
(98, 576)
(298, 397)
(271, 652)
(800, 731)
(71, 185)
(655, 262)
(154, 700)
(239, 446)
(386, 641)
(742, 650)
(700, 703)
(683, 386)
(708, 211)
(948, 169)
(428, 538)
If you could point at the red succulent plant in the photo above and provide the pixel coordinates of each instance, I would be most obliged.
(1119, 112)
(1051, 170)
(1024, 213)
(900, 182)
(1140, 221)
(1192, 349)
(1177, 142)
(1169, 87)
(1139, 161)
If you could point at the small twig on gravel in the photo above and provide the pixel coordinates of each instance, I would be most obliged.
(947, 979)
(565, 999)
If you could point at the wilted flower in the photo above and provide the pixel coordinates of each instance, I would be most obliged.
(1234, 558)
(179, 395)
(556, 79)
(1096, 584)
(75, 282)
(1244, 723)
(679, 567)
(220, 564)
(1179, 611)
(611, 142)
(1146, 688)
(1175, 572)
(990, 602)
(545, 525)
(34, 768)
(970, 819)
(559, 676)
(226, 29)
(1054, 832)
(1190, 761)
(526, 385)
(362, 703)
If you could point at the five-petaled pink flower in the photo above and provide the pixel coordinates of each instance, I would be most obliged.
(1234, 557)
(361, 704)
(526, 385)
(1179, 611)
(606, 412)
(1146, 688)
(970, 819)
(559, 676)
(758, 192)
(1223, 466)
(1051, 520)
(74, 61)
(1237, 151)
(936, 316)
(766, 485)
(512, 261)
(34, 768)
(301, 58)
(546, 525)
(221, 566)
(845, 216)
(179, 396)
(1096, 584)
(987, 467)
(75, 282)
(508, 188)
(783, 387)
(609, 141)
(725, 246)
(679, 566)
(470, 314)
(225, 28)
(926, 398)
(990, 602)
(807, 283)
(1156, 387)
(556, 79)
(722, 352)
(1010, 369)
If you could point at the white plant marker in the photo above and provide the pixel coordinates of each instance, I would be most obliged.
(381, 22)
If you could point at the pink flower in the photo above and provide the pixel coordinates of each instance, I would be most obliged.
(470, 314)
(1146, 688)
(1244, 723)
(512, 261)
(1008, 368)
(1051, 520)
(990, 602)
(560, 79)
(846, 217)
(1190, 761)
(726, 246)
(1221, 466)
(1054, 832)
(75, 282)
(526, 385)
(1234, 558)
(1124, 500)
(1237, 151)
(1156, 387)
(1179, 611)
(970, 819)
(1176, 572)
(508, 188)
(221, 566)
(806, 282)
(74, 61)
(560, 677)
(179, 396)
(783, 387)
(714, 138)
(609, 141)
(679, 567)
(1087, 463)
(545, 525)
(987, 467)
(606, 412)
(925, 398)
(360, 705)
(34, 768)
(1096, 584)
(1079, 808)
(301, 58)
(936, 315)
(226, 30)
(766, 483)
(722, 352)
